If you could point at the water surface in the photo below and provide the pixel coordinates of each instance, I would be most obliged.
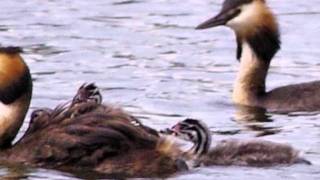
(146, 57)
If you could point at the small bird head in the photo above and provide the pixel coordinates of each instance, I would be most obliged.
(195, 131)
(253, 22)
(88, 92)
(39, 118)
(186, 130)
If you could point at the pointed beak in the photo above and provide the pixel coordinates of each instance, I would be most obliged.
(221, 19)
(176, 128)
(171, 131)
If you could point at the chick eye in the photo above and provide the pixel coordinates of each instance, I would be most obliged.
(40, 112)
(35, 115)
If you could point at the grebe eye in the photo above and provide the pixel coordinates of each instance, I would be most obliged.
(39, 112)
(34, 115)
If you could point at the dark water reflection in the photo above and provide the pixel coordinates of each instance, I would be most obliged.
(256, 120)
(147, 57)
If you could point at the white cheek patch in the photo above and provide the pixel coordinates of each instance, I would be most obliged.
(6, 110)
(194, 136)
(8, 118)
(248, 13)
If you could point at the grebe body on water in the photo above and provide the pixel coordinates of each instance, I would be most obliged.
(258, 40)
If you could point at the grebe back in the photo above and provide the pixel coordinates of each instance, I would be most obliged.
(82, 134)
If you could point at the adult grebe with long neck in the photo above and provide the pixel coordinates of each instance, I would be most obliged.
(83, 134)
(258, 40)
(232, 151)
(15, 93)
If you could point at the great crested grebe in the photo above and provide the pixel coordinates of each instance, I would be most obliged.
(15, 93)
(232, 152)
(80, 135)
(258, 40)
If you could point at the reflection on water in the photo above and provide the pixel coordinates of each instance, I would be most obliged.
(147, 57)
(251, 114)
(255, 119)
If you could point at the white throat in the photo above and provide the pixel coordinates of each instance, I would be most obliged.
(11, 118)
(250, 81)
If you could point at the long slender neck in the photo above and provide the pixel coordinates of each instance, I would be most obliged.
(258, 40)
(11, 119)
(251, 77)
(15, 94)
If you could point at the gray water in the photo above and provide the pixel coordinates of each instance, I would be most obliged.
(147, 58)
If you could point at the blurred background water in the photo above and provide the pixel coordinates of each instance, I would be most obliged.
(146, 57)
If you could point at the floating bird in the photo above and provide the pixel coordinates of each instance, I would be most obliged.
(257, 153)
(258, 40)
(83, 134)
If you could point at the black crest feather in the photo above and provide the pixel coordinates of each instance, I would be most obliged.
(11, 50)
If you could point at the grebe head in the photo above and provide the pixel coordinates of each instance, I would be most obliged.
(39, 118)
(195, 131)
(253, 23)
(87, 93)
(15, 93)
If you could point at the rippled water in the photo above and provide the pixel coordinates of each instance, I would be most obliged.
(147, 58)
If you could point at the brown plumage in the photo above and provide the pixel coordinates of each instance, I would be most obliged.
(83, 134)
(15, 93)
(86, 134)
(258, 40)
(251, 153)
(233, 152)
